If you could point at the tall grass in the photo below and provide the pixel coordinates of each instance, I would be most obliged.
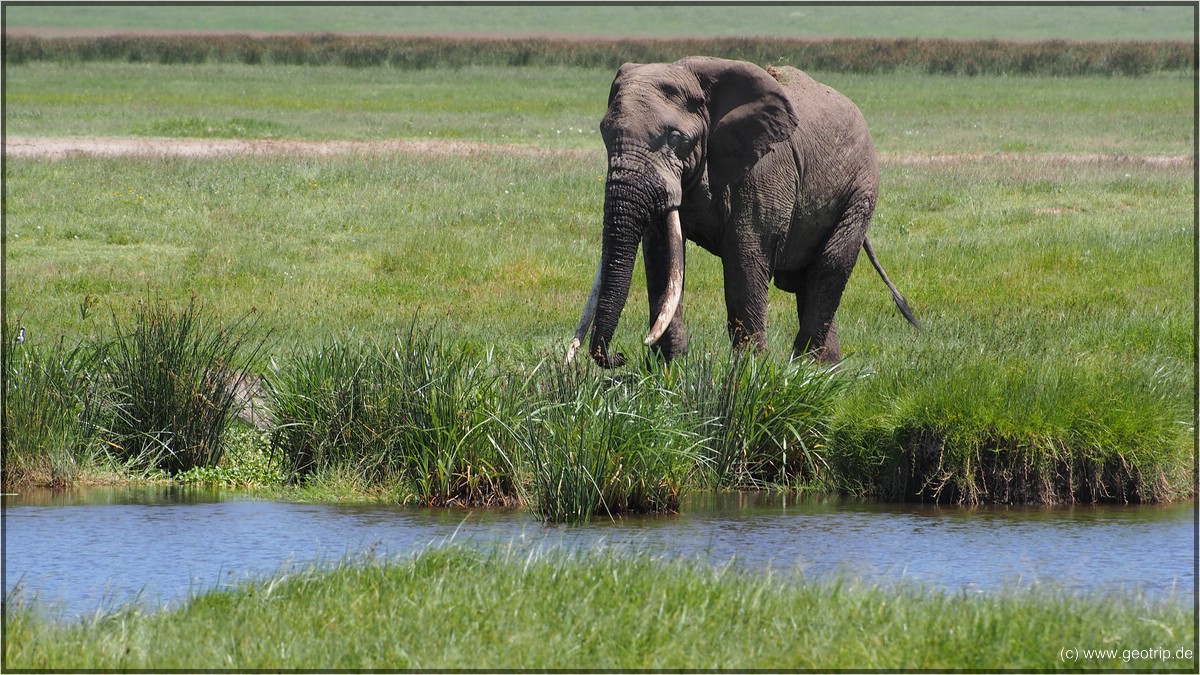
(174, 376)
(765, 421)
(568, 441)
(605, 444)
(415, 412)
(53, 403)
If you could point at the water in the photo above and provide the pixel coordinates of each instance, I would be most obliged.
(88, 550)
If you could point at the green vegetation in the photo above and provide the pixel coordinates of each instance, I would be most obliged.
(559, 108)
(862, 55)
(418, 413)
(1055, 363)
(1024, 22)
(159, 397)
(174, 378)
(51, 408)
(457, 608)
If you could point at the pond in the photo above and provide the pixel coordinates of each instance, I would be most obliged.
(85, 550)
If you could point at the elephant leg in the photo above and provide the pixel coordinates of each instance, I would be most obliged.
(674, 341)
(820, 293)
(746, 279)
(817, 336)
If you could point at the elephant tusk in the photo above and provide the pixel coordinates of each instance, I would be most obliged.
(589, 314)
(674, 279)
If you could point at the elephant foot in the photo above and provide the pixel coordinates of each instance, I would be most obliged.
(608, 360)
(826, 353)
(659, 356)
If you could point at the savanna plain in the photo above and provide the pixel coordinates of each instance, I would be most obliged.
(1042, 229)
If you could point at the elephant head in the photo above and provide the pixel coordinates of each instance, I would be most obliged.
(674, 132)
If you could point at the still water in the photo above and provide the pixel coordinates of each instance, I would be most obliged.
(82, 551)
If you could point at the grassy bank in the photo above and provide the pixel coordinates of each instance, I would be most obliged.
(1056, 360)
(457, 608)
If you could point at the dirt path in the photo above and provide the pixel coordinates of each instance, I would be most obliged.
(112, 146)
(119, 146)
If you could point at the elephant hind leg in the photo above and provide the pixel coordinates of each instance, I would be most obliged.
(816, 339)
(820, 293)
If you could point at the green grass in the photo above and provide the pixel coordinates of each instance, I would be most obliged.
(560, 108)
(53, 396)
(1026, 22)
(174, 374)
(419, 412)
(506, 609)
(427, 420)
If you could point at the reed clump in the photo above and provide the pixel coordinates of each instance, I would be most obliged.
(852, 55)
(174, 376)
(567, 441)
(603, 444)
(764, 421)
(415, 412)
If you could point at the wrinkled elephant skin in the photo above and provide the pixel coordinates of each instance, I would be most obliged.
(772, 171)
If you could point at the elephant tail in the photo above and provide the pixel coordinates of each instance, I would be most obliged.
(901, 303)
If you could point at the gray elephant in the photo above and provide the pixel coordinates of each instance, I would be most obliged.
(771, 171)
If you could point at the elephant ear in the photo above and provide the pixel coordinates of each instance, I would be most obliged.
(748, 110)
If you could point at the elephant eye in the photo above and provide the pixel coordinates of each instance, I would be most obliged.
(675, 139)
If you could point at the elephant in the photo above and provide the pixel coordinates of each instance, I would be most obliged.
(770, 170)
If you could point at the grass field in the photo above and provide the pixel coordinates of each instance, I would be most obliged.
(1025, 22)
(559, 108)
(1041, 228)
(503, 610)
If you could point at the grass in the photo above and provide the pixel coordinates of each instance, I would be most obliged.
(559, 108)
(52, 410)
(428, 421)
(605, 445)
(1026, 22)
(413, 412)
(174, 375)
(508, 609)
(155, 397)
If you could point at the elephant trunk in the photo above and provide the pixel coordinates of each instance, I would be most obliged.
(670, 305)
(622, 234)
(627, 213)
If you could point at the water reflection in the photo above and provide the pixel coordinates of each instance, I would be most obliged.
(89, 548)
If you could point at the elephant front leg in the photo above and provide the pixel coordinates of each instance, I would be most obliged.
(746, 280)
(673, 342)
